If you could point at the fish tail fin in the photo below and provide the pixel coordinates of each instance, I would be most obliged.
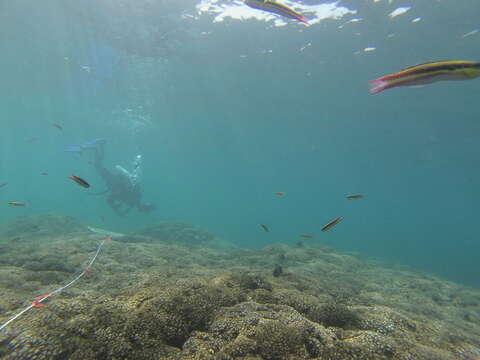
(378, 85)
(303, 19)
(74, 149)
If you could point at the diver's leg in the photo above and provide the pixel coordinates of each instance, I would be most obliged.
(123, 209)
(106, 175)
(114, 205)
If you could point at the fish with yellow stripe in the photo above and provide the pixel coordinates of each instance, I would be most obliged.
(79, 181)
(276, 8)
(426, 74)
(17, 203)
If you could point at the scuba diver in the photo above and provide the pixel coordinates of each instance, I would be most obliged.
(123, 188)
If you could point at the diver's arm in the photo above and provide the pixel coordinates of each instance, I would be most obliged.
(98, 157)
(99, 193)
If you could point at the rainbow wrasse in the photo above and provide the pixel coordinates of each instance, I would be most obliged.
(426, 74)
(80, 181)
(332, 223)
(276, 8)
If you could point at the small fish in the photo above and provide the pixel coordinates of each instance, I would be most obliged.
(306, 236)
(426, 74)
(80, 181)
(265, 228)
(3, 184)
(400, 11)
(355, 196)
(87, 273)
(57, 126)
(44, 173)
(279, 193)
(16, 203)
(332, 223)
(276, 8)
(37, 302)
(32, 139)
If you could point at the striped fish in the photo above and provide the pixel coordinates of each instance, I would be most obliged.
(16, 203)
(276, 8)
(80, 181)
(332, 223)
(426, 74)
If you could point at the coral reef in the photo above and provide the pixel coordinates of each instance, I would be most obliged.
(24, 227)
(187, 295)
(181, 233)
(337, 315)
(277, 270)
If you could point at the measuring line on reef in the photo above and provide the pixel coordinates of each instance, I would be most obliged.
(39, 299)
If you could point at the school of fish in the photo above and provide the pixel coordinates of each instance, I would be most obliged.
(426, 73)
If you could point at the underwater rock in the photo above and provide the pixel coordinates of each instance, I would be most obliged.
(181, 233)
(40, 226)
(172, 315)
(276, 340)
(277, 271)
(252, 281)
(338, 315)
(305, 304)
(250, 329)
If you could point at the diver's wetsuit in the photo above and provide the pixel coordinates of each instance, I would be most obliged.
(122, 194)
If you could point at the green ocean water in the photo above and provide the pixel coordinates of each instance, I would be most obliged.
(226, 113)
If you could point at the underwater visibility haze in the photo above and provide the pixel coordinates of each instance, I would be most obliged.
(197, 159)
